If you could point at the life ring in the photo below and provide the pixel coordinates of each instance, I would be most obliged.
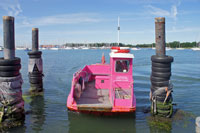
(123, 51)
(116, 48)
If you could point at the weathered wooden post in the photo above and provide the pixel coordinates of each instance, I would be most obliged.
(161, 88)
(35, 68)
(11, 102)
(160, 36)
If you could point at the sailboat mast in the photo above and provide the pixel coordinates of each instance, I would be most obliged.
(118, 31)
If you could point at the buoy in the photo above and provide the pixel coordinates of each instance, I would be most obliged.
(123, 51)
(116, 48)
(120, 49)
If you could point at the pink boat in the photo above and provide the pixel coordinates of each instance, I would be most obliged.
(104, 88)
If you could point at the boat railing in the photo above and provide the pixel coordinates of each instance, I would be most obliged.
(79, 79)
(84, 74)
(77, 73)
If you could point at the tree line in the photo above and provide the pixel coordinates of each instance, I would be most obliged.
(174, 44)
(93, 44)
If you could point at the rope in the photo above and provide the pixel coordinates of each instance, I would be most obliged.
(162, 108)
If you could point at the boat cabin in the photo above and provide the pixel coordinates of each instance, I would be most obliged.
(105, 87)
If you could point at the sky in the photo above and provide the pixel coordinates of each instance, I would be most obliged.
(91, 21)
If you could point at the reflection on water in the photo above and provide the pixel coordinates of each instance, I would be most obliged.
(35, 115)
(98, 124)
(37, 107)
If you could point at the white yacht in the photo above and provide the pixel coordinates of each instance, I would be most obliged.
(84, 48)
(179, 48)
(195, 49)
(168, 48)
(135, 49)
(67, 48)
(1, 48)
(54, 48)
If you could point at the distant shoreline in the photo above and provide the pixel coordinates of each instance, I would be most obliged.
(173, 45)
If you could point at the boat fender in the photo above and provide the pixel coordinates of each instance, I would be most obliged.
(83, 85)
(81, 82)
(77, 90)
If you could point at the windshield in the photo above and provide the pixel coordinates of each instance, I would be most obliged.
(122, 66)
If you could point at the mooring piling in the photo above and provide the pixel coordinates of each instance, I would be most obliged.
(35, 66)
(9, 39)
(161, 87)
(12, 104)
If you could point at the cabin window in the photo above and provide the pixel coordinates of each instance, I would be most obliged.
(122, 66)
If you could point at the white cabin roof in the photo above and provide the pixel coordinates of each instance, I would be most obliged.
(121, 55)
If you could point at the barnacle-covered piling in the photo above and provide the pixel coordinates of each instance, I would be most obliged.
(11, 102)
(35, 67)
(161, 87)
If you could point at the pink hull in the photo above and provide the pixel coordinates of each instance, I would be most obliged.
(98, 110)
(104, 88)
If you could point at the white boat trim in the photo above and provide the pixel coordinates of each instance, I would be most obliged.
(121, 55)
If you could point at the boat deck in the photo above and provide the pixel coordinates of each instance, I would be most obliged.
(93, 99)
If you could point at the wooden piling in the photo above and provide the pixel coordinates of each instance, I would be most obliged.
(160, 36)
(161, 87)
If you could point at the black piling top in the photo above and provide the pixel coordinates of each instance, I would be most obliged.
(9, 37)
(35, 39)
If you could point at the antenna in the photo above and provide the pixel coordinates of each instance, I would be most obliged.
(118, 31)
